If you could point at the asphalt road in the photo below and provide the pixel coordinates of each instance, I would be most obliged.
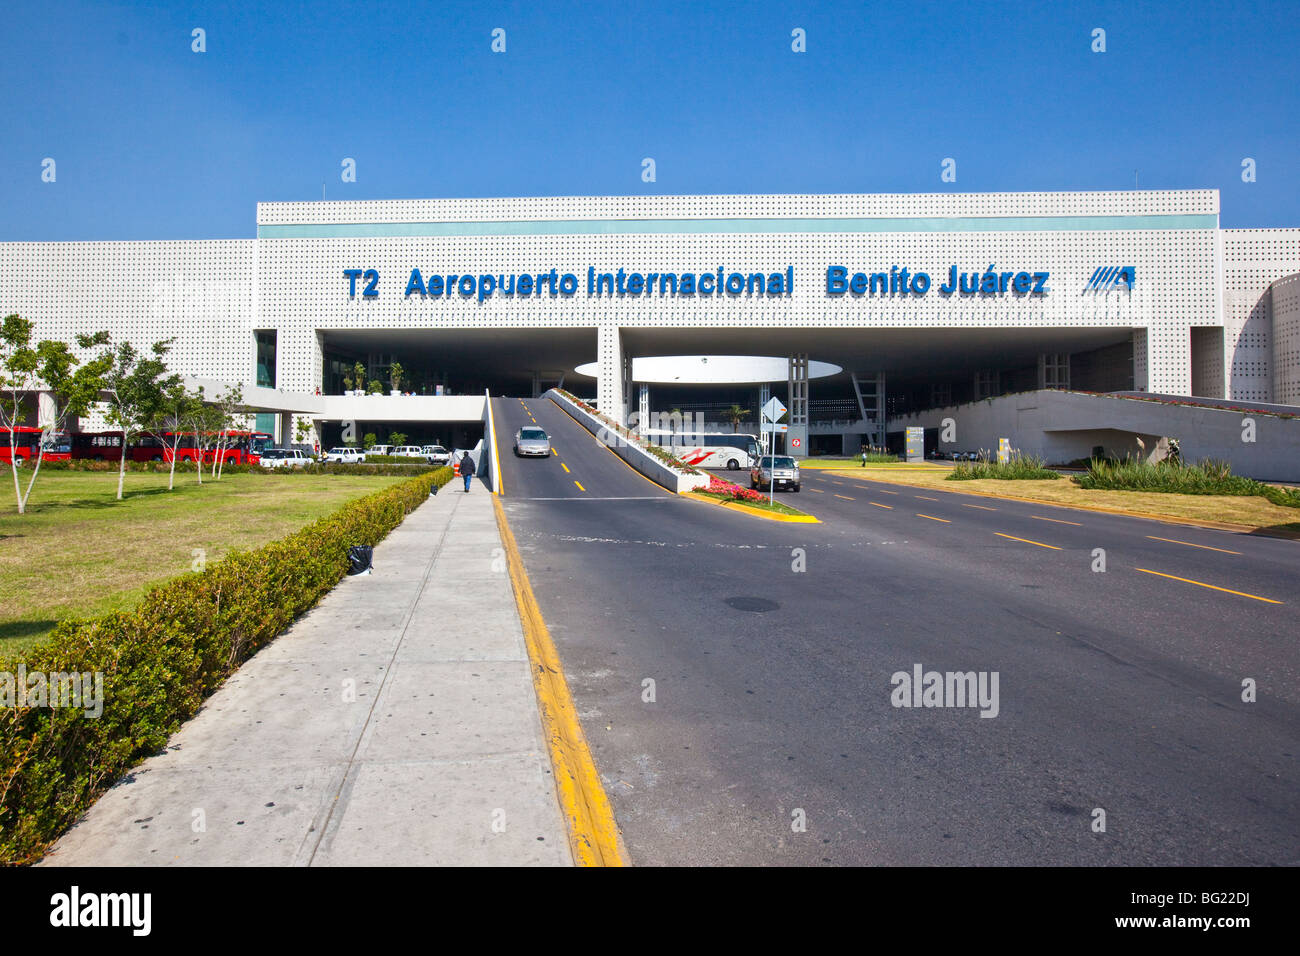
(772, 648)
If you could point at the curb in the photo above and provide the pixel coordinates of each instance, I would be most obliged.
(593, 833)
(1166, 519)
(737, 506)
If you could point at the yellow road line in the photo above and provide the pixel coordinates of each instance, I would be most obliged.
(817, 491)
(980, 507)
(565, 467)
(1026, 541)
(1212, 587)
(890, 507)
(1055, 520)
(593, 833)
(884, 492)
(924, 498)
(846, 497)
(576, 482)
(933, 518)
(608, 449)
(1191, 545)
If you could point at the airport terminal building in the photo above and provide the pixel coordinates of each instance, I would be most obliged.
(915, 301)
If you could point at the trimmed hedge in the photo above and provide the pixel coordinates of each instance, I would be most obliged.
(162, 659)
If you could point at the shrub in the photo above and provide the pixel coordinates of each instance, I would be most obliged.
(162, 659)
(1208, 477)
(1016, 468)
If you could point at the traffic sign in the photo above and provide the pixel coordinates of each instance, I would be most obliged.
(795, 442)
(773, 409)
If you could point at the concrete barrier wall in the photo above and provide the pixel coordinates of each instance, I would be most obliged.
(634, 455)
(489, 464)
(1062, 426)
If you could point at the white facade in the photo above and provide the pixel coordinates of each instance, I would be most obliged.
(1199, 315)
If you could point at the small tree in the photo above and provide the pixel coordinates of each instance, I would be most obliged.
(205, 426)
(135, 385)
(231, 408)
(359, 376)
(302, 429)
(395, 374)
(735, 414)
(375, 387)
(370, 440)
(171, 423)
(347, 382)
(22, 367)
(397, 438)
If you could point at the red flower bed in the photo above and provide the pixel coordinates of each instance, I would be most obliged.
(720, 486)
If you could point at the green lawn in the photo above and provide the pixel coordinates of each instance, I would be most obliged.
(79, 552)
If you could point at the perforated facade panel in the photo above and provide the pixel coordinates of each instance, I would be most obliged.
(1253, 259)
(1191, 277)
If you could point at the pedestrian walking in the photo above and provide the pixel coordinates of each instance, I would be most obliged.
(467, 470)
(864, 456)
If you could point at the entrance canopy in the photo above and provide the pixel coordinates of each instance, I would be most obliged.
(711, 369)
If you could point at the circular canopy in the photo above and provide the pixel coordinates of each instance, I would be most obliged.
(711, 369)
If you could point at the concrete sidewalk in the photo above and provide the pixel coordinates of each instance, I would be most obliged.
(394, 724)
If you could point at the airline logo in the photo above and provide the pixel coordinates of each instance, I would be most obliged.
(1109, 278)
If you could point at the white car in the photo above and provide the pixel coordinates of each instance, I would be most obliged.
(437, 455)
(532, 442)
(407, 451)
(379, 450)
(347, 456)
(283, 458)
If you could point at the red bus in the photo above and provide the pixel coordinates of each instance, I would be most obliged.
(27, 443)
(97, 446)
(241, 447)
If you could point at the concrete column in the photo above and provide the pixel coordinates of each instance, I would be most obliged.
(797, 389)
(46, 408)
(643, 409)
(610, 397)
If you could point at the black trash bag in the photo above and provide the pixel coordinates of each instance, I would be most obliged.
(360, 558)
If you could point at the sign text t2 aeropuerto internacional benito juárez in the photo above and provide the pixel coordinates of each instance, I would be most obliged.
(897, 281)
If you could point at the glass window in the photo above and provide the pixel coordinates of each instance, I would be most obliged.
(266, 357)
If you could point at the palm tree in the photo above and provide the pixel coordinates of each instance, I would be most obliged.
(735, 414)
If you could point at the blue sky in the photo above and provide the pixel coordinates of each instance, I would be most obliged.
(153, 141)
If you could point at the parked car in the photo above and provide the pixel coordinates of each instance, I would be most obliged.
(407, 451)
(347, 456)
(532, 442)
(284, 458)
(437, 455)
(780, 471)
(379, 450)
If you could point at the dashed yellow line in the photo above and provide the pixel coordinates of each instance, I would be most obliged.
(878, 505)
(565, 467)
(924, 498)
(884, 492)
(933, 518)
(980, 507)
(1212, 587)
(1026, 541)
(1189, 544)
(846, 497)
(817, 491)
(1055, 520)
(579, 484)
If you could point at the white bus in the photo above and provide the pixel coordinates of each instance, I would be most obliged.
(708, 449)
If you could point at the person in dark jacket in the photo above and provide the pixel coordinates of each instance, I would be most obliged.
(467, 470)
